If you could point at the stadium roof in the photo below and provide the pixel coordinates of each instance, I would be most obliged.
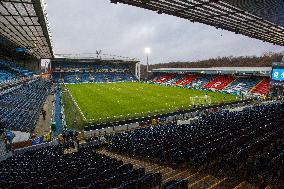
(23, 22)
(265, 71)
(262, 20)
(62, 60)
(272, 10)
(94, 56)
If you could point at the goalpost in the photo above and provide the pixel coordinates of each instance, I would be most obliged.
(197, 100)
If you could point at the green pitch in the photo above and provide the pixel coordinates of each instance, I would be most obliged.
(116, 101)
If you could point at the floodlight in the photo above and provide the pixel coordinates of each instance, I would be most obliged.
(147, 50)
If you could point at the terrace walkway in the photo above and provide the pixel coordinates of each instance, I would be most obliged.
(43, 126)
(197, 180)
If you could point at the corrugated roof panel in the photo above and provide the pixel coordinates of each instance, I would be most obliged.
(220, 14)
(24, 23)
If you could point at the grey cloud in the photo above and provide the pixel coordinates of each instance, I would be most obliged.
(84, 26)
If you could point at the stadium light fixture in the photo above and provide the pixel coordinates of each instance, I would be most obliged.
(147, 52)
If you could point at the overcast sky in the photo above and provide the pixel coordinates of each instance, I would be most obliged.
(84, 26)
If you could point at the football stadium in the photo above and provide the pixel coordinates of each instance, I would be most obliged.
(102, 121)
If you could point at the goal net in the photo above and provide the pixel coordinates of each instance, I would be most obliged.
(197, 100)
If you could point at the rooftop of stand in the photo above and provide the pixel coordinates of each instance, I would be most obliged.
(263, 71)
(24, 23)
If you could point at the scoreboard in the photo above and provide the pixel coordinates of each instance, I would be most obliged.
(277, 73)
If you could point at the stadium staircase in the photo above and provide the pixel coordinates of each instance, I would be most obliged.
(219, 82)
(196, 180)
(262, 87)
(245, 185)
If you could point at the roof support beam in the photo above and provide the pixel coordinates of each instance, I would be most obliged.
(23, 23)
(216, 13)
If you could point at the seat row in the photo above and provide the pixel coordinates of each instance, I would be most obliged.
(222, 83)
(15, 68)
(20, 107)
(89, 66)
(88, 77)
(49, 167)
(244, 143)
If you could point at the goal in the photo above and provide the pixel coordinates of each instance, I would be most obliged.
(197, 100)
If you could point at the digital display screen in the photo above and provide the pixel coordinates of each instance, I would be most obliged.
(277, 74)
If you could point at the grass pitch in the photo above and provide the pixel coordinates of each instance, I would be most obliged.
(101, 102)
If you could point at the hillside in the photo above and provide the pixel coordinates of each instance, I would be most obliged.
(242, 61)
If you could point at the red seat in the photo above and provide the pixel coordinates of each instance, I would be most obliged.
(185, 80)
(219, 82)
(262, 87)
(164, 78)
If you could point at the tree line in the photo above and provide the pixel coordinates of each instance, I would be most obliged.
(241, 61)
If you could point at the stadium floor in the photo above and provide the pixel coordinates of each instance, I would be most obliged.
(100, 102)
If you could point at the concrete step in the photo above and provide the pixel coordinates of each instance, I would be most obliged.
(162, 170)
(178, 175)
(185, 175)
(245, 185)
(194, 177)
(221, 184)
(170, 175)
(152, 168)
(196, 180)
(204, 182)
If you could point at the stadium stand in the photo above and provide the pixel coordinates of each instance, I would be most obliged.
(233, 143)
(13, 66)
(50, 168)
(219, 82)
(248, 85)
(93, 77)
(242, 85)
(173, 80)
(85, 77)
(77, 72)
(200, 81)
(228, 140)
(262, 88)
(69, 78)
(6, 76)
(2, 148)
(20, 107)
(11, 73)
(186, 80)
(163, 78)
